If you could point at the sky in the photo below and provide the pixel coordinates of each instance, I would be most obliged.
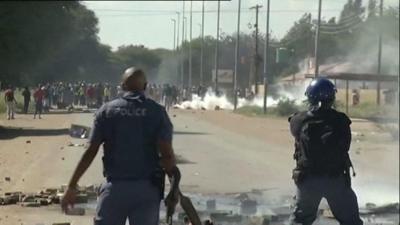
(149, 23)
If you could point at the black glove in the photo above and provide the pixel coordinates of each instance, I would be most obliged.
(298, 176)
(172, 198)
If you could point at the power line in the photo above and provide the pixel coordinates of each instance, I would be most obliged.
(169, 13)
(346, 18)
(341, 30)
(128, 15)
(341, 24)
(332, 27)
(172, 13)
(214, 11)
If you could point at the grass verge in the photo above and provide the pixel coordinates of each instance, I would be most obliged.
(370, 111)
(20, 102)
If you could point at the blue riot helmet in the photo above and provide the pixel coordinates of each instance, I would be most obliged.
(321, 91)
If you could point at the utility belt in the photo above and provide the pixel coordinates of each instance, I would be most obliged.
(300, 174)
(157, 178)
(304, 169)
(123, 179)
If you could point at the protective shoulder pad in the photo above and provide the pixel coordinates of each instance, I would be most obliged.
(343, 117)
(290, 117)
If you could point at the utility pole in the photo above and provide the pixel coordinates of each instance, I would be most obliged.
(174, 50)
(177, 45)
(316, 73)
(174, 21)
(256, 56)
(185, 20)
(200, 29)
(378, 86)
(266, 48)
(236, 58)
(190, 45)
(183, 53)
(177, 29)
(217, 50)
(202, 46)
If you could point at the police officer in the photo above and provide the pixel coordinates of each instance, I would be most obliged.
(136, 134)
(322, 141)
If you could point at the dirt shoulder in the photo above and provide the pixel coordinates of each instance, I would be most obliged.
(34, 154)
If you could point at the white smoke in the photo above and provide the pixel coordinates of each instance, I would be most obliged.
(211, 101)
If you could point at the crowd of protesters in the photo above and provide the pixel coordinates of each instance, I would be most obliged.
(64, 95)
(60, 95)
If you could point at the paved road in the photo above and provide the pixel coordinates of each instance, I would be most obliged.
(225, 161)
(221, 161)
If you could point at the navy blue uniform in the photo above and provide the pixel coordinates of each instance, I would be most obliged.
(328, 178)
(130, 128)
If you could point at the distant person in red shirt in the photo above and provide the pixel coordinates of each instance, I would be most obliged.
(90, 96)
(38, 95)
(10, 102)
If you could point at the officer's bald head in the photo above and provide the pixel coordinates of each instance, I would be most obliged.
(134, 79)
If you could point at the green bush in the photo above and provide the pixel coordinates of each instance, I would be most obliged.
(2, 105)
(20, 102)
(338, 105)
(370, 110)
(250, 111)
(286, 107)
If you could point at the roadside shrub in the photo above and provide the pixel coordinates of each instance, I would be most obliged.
(286, 107)
(20, 102)
(338, 105)
(2, 103)
(250, 111)
(371, 110)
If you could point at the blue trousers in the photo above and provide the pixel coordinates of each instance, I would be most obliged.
(340, 197)
(138, 201)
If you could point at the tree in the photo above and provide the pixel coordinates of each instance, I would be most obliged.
(139, 56)
(351, 9)
(35, 36)
(300, 39)
(50, 41)
(372, 9)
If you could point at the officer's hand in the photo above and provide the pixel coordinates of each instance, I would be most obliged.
(68, 199)
(171, 201)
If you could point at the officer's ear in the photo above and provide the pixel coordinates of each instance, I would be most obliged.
(123, 86)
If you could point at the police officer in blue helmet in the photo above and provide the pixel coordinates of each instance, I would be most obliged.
(322, 143)
(136, 134)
